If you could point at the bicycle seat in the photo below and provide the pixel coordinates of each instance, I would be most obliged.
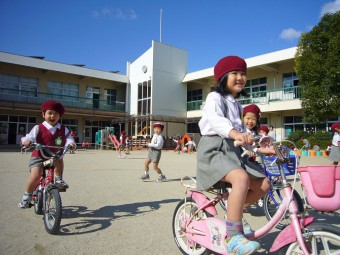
(221, 185)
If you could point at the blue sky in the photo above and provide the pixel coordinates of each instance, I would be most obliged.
(105, 34)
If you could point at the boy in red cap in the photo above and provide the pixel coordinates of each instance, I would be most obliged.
(217, 157)
(334, 154)
(155, 152)
(52, 133)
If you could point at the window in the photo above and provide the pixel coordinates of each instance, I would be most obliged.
(194, 95)
(289, 81)
(64, 91)
(110, 96)
(17, 85)
(144, 98)
(256, 87)
(293, 123)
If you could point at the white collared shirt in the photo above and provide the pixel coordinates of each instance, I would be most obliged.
(156, 142)
(214, 122)
(32, 136)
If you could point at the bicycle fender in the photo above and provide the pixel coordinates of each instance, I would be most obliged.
(202, 199)
(288, 236)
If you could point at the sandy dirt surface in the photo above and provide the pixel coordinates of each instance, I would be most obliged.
(107, 209)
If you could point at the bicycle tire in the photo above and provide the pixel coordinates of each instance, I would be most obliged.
(270, 208)
(323, 239)
(184, 211)
(53, 211)
(38, 204)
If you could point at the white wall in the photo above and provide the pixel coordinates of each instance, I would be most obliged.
(169, 94)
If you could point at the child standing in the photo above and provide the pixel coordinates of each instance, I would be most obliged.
(52, 133)
(177, 140)
(155, 152)
(121, 147)
(334, 154)
(264, 131)
(217, 157)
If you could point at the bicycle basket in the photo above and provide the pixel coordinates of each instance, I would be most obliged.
(273, 170)
(322, 185)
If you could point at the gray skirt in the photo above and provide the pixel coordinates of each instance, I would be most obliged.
(154, 155)
(216, 157)
(334, 155)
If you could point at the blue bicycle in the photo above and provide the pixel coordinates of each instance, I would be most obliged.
(271, 201)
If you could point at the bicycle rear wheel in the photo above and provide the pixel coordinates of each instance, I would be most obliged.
(53, 211)
(271, 202)
(319, 238)
(184, 210)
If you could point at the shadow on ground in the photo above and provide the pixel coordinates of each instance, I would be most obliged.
(88, 221)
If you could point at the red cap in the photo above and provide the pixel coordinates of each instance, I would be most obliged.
(158, 124)
(123, 133)
(53, 105)
(252, 108)
(264, 128)
(335, 125)
(228, 64)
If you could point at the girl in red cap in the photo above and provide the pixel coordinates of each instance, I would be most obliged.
(52, 133)
(122, 141)
(217, 157)
(155, 152)
(334, 154)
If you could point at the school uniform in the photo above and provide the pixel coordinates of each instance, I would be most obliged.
(155, 148)
(334, 155)
(216, 153)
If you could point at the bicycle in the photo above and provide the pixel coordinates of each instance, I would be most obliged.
(197, 231)
(46, 198)
(271, 201)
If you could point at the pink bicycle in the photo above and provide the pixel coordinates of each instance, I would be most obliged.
(197, 231)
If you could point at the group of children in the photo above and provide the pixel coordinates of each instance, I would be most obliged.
(223, 122)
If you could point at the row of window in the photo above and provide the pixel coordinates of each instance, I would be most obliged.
(57, 90)
(256, 87)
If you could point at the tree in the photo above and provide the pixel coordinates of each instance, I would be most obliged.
(317, 63)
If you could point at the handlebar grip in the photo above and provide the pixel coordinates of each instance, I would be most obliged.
(237, 143)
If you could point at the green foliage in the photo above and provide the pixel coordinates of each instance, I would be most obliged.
(321, 138)
(317, 64)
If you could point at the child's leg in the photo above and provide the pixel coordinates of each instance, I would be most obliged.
(257, 189)
(58, 174)
(155, 166)
(236, 241)
(146, 165)
(33, 178)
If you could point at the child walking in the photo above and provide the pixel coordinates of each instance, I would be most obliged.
(217, 157)
(51, 133)
(155, 153)
(334, 154)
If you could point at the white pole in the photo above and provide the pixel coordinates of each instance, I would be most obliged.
(160, 27)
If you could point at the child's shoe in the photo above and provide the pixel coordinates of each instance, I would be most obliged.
(145, 177)
(61, 184)
(25, 201)
(161, 178)
(239, 245)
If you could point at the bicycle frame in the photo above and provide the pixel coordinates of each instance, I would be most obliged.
(208, 231)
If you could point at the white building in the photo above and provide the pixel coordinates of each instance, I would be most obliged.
(157, 87)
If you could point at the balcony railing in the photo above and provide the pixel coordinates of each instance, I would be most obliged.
(32, 97)
(258, 97)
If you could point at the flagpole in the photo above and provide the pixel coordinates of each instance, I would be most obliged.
(160, 26)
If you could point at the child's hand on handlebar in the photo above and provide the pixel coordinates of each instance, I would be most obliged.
(243, 139)
(26, 143)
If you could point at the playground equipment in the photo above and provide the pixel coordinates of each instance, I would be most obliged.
(102, 137)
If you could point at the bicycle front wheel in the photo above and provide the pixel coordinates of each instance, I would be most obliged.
(319, 238)
(53, 211)
(183, 212)
(271, 202)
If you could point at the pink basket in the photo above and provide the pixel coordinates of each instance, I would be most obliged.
(322, 185)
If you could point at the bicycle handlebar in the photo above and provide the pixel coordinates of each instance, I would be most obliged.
(57, 155)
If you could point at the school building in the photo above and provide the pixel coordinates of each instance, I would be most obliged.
(156, 87)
